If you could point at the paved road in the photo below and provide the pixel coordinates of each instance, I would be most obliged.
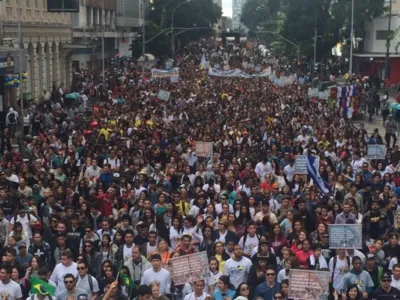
(376, 120)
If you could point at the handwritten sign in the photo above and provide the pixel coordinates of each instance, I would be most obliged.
(204, 149)
(308, 285)
(376, 152)
(345, 236)
(300, 165)
(189, 268)
(163, 95)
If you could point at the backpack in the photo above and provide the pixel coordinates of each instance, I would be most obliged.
(90, 279)
(11, 118)
(335, 262)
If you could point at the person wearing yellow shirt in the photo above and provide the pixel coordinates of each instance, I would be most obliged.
(106, 132)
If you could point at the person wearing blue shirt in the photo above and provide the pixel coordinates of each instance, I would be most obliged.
(267, 289)
(224, 289)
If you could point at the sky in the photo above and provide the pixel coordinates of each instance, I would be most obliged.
(227, 8)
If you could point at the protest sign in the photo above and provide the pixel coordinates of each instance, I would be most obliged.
(308, 285)
(163, 95)
(376, 152)
(189, 268)
(345, 236)
(156, 73)
(204, 149)
(300, 165)
(174, 79)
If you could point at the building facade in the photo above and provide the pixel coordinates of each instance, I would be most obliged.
(237, 6)
(371, 61)
(110, 20)
(46, 39)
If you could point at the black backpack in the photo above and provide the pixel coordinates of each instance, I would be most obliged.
(11, 118)
(89, 279)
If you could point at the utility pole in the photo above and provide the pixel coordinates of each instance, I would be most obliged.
(315, 35)
(351, 40)
(387, 61)
(102, 44)
(143, 33)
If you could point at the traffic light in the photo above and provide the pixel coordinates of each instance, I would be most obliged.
(116, 53)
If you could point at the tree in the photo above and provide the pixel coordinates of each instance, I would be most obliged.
(259, 12)
(296, 20)
(201, 13)
(157, 46)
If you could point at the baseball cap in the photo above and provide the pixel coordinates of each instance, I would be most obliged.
(370, 256)
(387, 276)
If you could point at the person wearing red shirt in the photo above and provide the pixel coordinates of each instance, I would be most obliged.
(325, 218)
(106, 202)
(303, 255)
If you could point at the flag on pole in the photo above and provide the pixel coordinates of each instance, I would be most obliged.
(127, 280)
(41, 287)
(203, 63)
(313, 172)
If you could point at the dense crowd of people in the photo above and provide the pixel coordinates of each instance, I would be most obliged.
(97, 193)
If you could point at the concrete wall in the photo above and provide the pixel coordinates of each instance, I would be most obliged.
(374, 45)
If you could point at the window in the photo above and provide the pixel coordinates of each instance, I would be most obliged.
(28, 3)
(382, 35)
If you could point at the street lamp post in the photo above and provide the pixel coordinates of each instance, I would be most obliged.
(163, 13)
(102, 46)
(351, 40)
(387, 61)
(285, 39)
(144, 33)
(172, 27)
(20, 64)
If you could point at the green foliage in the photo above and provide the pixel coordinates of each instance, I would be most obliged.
(158, 46)
(196, 13)
(295, 20)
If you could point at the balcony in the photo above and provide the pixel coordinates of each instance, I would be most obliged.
(107, 34)
(128, 22)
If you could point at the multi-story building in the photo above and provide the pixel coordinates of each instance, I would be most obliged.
(46, 43)
(371, 61)
(237, 6)
(98, 20)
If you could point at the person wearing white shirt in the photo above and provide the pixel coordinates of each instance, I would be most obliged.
(289, 170)
(158, 274)
(357, 162)
(25, 220)
(87, 282)
(93, 171)
(66, 266)
(237, 267)
(396, 276)
(262, 168)
(9, 289)
(198, 293)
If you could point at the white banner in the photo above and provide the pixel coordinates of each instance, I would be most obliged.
(239, 73)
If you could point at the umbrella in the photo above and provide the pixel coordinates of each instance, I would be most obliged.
(72, 96)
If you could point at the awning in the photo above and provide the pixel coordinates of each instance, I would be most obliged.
(375, 54)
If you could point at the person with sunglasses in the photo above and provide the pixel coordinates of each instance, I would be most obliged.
(386, 291)
(71, 291)
(242, 292)
(86, 281)
(279, 296)
(268, 288)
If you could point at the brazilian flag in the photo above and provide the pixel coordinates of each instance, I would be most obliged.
(41, 287)
(127, 280)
